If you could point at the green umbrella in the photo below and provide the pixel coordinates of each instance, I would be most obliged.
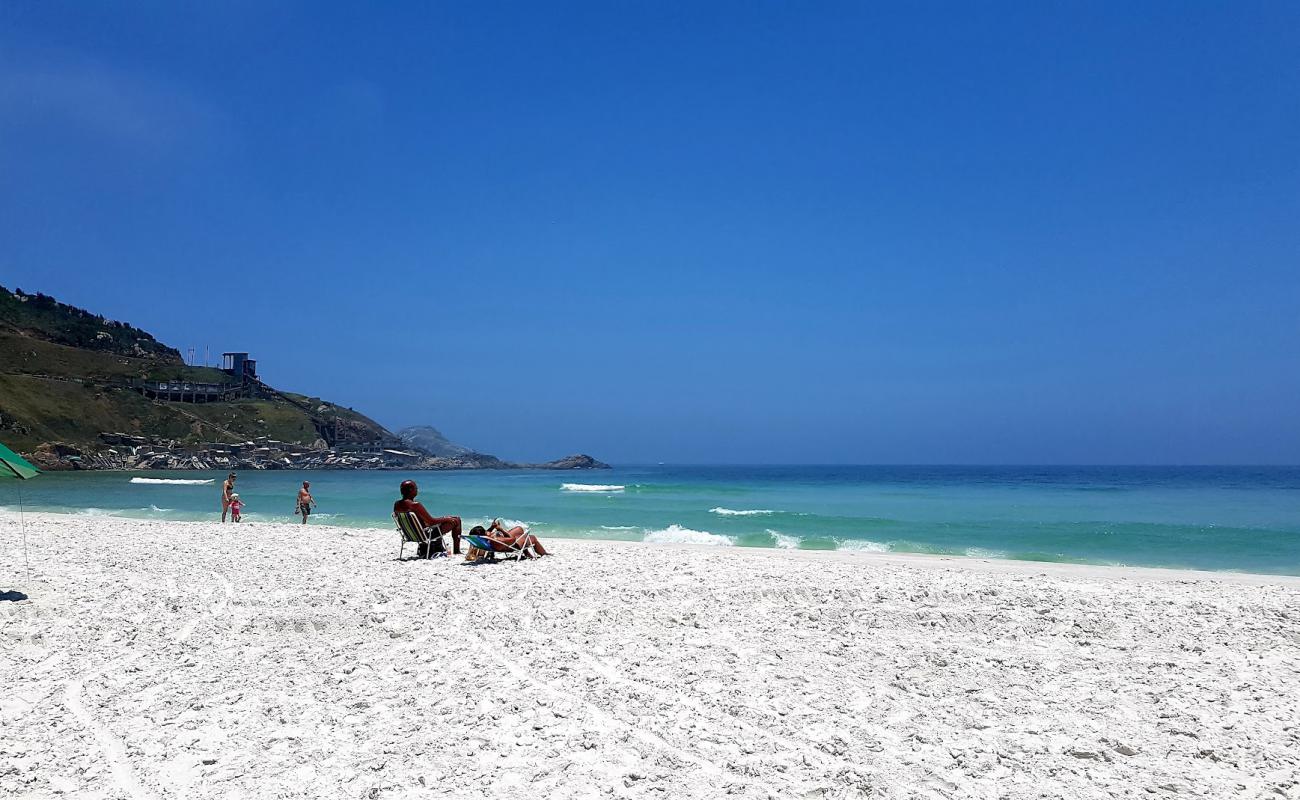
(13, 465)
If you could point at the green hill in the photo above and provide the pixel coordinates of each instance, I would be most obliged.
(67, 375)
(41, 316)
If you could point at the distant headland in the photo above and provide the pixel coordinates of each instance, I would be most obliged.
(79, 391)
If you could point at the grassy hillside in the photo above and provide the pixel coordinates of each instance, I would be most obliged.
(34, 410)
(23, 353)
(41, 316)
(61, 380)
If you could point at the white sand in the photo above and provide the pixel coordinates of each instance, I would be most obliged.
(171, 660)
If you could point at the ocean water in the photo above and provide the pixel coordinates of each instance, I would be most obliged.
(1218, 518)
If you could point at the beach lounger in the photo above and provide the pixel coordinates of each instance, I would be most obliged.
(411, 531)
(489, 546)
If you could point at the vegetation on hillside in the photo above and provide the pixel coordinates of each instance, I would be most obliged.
(62, 381)
(25, 354)
(42, 316)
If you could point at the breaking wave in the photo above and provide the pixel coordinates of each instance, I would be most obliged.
(749, 512)
(676, 534)
(174, 481)
(784, 540)
(590, 487)
(863, 545)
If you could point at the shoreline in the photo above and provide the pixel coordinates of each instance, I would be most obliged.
(866, 557)
(1234, 522)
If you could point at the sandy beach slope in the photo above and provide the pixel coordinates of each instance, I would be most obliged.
(182, 660)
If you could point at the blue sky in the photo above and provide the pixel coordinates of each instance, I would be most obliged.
(692, 232)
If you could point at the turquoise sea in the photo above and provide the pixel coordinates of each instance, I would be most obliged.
(1219, 518)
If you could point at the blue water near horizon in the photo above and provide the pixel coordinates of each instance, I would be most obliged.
(1218, 518)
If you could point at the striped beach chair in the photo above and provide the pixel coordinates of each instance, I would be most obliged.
(410, 531)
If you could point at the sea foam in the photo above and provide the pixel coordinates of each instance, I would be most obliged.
(173, 481)
(590, 487)
(676, 534)
(748, 512)
(92, 511)
(863, 545)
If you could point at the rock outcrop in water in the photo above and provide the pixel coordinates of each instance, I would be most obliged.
(446, 454)
(579, 461)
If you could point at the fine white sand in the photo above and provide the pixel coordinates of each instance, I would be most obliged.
(173, 660)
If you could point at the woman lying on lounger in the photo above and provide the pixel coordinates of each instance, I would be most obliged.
(504, 540)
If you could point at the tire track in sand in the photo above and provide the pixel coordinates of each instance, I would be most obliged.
(119, 763)
(114, 750)
(646, 737)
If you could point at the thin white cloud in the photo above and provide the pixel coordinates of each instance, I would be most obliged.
(103, 101)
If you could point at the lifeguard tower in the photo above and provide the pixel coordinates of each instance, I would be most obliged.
(239, 365)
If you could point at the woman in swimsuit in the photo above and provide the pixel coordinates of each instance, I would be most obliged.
(227, 489)
(510, 539)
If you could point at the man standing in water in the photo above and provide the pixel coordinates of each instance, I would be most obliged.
(305, 501)
(227, 489)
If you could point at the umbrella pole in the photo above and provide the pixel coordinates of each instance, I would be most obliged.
(22, 523)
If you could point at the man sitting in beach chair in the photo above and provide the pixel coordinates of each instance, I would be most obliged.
(485, 543)
(409, 505)
(430, 542)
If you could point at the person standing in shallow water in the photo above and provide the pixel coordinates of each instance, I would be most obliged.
(227, 489)
(305, 501)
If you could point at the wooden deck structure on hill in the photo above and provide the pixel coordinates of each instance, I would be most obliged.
(190, 391)
(245, 383)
